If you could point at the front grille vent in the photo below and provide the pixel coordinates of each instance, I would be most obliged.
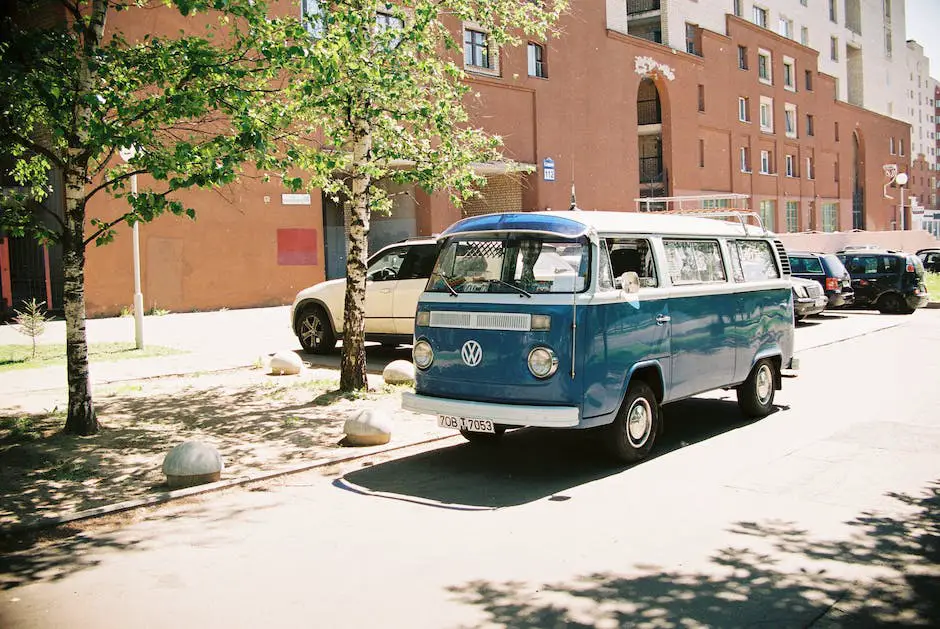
(508, 321)
(784, 258)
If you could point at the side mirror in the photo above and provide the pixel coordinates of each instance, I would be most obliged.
(630, 282)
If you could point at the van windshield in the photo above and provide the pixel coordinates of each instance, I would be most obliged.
(514, 264)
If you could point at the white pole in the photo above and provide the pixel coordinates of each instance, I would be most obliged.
(138, 296)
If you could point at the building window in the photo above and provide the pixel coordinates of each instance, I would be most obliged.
(830, 217)
(789, 74)
(804, 36)
(313, 17)
(476, 49)
(764, 66)
(701, 153)
(804, 3)
(834, 48)
(891, 146)
(537, 61)
(901, 147)
(766, 114)
(744, 109)
(701, 97)
(793, 216)
(837, 132)
(789, 119)
(745, 159)
(810, 125)
(692, 40)
(760, 16)
(788, 162)
(768, 211)
(739, 8)
(766, 163)
(742, 57)
(785, 27)
(810, 170)
(808, 75)
(833, 15)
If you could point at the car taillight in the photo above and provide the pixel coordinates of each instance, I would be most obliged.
(832, 283)
(910, 268)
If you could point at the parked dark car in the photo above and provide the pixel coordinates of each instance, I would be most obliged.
(930, 258)
(808, 298)
(829, 271)
(891, 281)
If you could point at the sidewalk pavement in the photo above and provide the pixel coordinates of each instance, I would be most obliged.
(212, 341)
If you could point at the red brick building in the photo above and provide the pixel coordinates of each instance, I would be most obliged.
(613, 116)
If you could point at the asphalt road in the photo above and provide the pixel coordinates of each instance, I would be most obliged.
(825, 513)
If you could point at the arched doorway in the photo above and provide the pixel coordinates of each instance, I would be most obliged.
(858, 184)
(653, 181)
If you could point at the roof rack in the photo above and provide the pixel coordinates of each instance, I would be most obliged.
(724, 206)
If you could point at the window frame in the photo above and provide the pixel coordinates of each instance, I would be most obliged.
(768, 70)
(669, 244)
(535, 61)
(766, 122)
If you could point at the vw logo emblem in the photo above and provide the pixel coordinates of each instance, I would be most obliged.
(472, 353)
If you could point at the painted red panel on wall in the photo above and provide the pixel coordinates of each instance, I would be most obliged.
(297, 247)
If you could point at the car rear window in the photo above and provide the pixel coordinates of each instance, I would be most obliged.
(834, 265)
(800, 264)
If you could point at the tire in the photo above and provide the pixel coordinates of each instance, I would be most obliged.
(315, 332)
(756, 394)
(631, 435)
(484, 438)
(891, 304)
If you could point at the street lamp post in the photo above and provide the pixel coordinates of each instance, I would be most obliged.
(901, 180)
(128, 154)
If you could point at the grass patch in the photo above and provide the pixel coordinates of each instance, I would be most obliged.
(19, 429)
(21, 356)
(932, 280)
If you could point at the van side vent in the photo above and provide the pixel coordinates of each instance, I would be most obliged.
(509, 321)
(784, 258)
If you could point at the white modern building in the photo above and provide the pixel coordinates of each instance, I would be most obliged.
(860, 42)
(920, 105)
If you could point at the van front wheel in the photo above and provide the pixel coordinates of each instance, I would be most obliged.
(633, 432)
(756, 394)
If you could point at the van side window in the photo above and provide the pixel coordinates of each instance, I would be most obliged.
(605, 278)
(633, 254)
(757, 260)
(694, 261)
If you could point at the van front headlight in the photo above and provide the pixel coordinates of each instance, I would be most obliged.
(422, 354)
(542, 362)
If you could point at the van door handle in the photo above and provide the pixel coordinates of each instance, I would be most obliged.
(663, 319)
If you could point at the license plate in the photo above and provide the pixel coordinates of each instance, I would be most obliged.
(472, 424)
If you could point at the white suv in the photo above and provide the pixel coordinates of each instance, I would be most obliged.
(395, 279)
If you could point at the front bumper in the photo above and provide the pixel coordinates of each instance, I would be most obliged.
(840, 300)
(507, 414)
(917, 301)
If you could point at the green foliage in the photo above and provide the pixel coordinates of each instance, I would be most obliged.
(14, 357)
(71, 97)
(31, 321)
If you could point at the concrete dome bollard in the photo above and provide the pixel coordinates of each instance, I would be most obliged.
(371, 427)
(192, 463)
(286, 364)
(399, 372)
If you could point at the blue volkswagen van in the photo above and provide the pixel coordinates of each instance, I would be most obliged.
(586, 319)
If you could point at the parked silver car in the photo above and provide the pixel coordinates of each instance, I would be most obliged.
(808, 298)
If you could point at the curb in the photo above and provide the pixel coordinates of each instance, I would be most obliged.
(127, 505)
(933, 305)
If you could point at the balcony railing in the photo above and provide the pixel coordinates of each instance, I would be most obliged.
(648, 112)
(651, 169)
(641, 6)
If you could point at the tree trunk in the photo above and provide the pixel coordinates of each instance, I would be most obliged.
(353, 369)
(81, 417)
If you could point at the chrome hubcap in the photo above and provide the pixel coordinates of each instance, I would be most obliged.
(639, 422)
(765, 384)
(312, 331)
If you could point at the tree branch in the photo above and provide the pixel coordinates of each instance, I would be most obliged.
(34, 147)
(111, 182)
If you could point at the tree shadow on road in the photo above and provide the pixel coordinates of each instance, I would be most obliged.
(884, 574)
(531, 464)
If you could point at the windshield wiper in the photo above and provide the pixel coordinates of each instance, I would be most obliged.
(513, 286)
(447, 284)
